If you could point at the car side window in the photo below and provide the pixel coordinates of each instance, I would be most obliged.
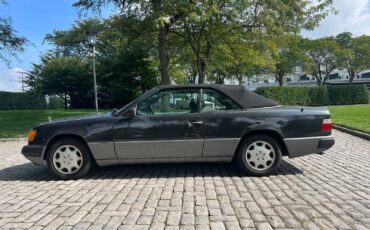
(213, 100)
(176, 101)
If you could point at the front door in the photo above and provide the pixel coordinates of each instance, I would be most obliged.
(167, 125)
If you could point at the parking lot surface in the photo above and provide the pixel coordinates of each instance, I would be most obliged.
(330, 191)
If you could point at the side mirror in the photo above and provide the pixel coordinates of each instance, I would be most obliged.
(132, 111)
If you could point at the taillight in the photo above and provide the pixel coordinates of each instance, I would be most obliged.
(326, 125)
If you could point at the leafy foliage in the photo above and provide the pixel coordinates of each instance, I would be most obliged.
(321, 58)
(68, 77)
(125, 76)
(354, 55)
(288, 56)
(187, 40)
(201, 29)
(307, 96)
(348, 95)
(10, 42)
(124, 68)
(317, 96)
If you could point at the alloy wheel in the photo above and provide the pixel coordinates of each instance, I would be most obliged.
(67, 159)
(260, 155)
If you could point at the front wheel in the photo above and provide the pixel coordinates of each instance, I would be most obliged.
(259, 155)
(68, 158)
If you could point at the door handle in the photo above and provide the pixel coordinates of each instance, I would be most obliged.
(192, 123)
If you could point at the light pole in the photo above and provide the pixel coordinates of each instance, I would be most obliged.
(91, 36)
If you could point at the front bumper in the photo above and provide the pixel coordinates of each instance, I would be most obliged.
(307, 145)
(34, 153)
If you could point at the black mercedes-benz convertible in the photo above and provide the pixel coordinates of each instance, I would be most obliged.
(183, 123)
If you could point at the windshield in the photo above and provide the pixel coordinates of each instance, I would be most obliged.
(114, 112)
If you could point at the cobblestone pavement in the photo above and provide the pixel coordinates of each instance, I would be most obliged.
(314, 192)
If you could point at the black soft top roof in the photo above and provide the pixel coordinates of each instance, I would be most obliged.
(240, 94)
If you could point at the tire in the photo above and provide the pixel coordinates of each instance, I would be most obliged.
(259, 155)
(69, 159)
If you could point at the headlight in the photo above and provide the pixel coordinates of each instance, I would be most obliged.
(32, 135)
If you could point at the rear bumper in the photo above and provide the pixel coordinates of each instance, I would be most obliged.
(307, 145)
(34, 153)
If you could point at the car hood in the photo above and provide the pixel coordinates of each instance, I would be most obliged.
(75, 118)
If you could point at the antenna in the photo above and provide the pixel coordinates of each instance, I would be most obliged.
(304, 102)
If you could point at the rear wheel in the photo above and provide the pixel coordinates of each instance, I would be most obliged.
(259, 155)
(69, 158)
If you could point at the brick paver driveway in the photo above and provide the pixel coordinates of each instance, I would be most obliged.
(318, 191)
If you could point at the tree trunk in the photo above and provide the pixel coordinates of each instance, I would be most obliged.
(319, 81)
(65, 101)
(201, 65)
(240, 81)
(220, 80)
(351, 74)
(193, 75)
(164, 57)
(280, 79)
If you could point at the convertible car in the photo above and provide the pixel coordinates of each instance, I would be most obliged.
(183, 123)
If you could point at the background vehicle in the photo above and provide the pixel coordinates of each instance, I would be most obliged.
(177, 124)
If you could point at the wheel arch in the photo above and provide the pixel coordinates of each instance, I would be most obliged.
(271, 133)
(61, 136)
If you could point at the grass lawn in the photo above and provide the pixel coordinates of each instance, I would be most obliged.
(17, 123)
(352, 116)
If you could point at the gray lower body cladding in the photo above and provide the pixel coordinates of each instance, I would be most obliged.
(307, 145)
(216, 150)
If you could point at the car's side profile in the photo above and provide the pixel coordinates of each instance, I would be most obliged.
(192, 123)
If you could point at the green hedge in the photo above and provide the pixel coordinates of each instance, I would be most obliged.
(13, 101)
(317, 96)
(310, 96)
(348, 95)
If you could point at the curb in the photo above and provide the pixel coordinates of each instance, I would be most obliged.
(352, 132)
(14, 139)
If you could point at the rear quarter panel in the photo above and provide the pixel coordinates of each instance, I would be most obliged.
(289, 122)
(223, 130)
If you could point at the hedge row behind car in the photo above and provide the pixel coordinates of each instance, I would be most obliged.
(348, 95)
(317, 96)
(15, 101)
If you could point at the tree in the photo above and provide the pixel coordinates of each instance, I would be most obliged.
(10, 42)
(124, 67)
(287, 57)
(201, 24)
(354, 55)
(66, 77)
(73, 42)
(361, 55)
(208, 23)
(124, 76)
(321, 58)
(161, 14)
(237, 58)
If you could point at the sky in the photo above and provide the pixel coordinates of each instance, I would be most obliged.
(34, 19)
